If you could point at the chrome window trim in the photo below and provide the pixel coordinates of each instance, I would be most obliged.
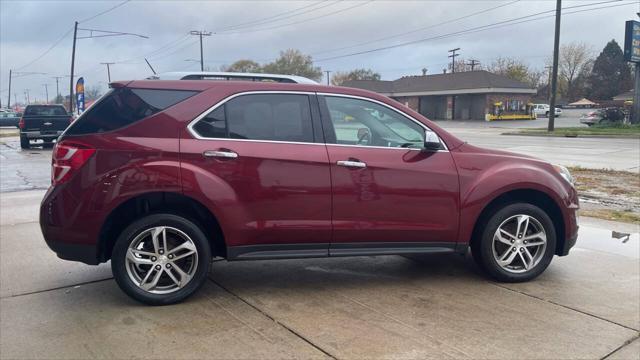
(262, 92)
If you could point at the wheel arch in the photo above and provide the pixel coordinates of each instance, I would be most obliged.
(155, 202)
(530, 196)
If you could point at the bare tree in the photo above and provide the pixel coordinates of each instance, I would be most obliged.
(92, 93)
(574, 65)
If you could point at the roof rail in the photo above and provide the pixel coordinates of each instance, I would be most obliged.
(206, 75)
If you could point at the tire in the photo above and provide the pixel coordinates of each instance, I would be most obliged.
(546, 114)
(24, 142)
(487, 251)
(130, 275)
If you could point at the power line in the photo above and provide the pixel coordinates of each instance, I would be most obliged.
(481, 28)
(104, 12)
(46, 51)
(67, 33)
(274, 18)
(417, 30)
(298, 22)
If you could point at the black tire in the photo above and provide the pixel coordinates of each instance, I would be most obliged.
(482, 247)
(119, 263)
(546, 114)
(24, 142)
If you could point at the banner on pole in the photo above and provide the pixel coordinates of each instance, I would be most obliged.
(80, 95)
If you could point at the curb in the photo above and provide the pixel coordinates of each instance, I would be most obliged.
(601, 136)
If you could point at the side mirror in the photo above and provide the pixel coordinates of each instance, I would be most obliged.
(431, 141)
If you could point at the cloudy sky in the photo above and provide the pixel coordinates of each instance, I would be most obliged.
(394, 38)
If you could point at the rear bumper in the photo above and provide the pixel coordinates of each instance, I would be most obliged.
(65, 230)
(40, 135)
(74, 252)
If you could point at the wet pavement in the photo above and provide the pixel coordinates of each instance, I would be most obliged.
(586, 305)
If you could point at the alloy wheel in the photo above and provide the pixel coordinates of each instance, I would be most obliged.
(519, 243)
(161, 260)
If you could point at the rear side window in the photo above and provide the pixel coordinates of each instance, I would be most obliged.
(124, 106)
(42, 110)
(276, 117)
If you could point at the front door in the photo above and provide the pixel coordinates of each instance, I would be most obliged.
(259, 163)
(386, 189)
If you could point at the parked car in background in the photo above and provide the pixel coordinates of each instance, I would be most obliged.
(543, 110)
(159, 176)
(42, 122)
(600, 116)
(9, 118)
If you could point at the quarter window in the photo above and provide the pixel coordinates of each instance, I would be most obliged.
(124, 106)
(277, 117)
(361, 122)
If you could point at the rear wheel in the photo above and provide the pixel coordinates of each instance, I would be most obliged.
(24, 142)
(161, 259)
(516, 244)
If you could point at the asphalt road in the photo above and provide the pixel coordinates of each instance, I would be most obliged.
(585, 306)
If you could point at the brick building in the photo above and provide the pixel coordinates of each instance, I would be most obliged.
(466, 95)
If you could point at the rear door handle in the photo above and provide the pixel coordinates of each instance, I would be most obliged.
(352, 164)
(226, 154)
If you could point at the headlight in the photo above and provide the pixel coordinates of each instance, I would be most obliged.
(564, 172)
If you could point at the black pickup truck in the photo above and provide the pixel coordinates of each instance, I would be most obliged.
(42, 122)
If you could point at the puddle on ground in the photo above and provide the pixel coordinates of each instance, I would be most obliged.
(611, 241)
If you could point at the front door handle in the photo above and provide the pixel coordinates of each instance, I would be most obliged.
(226, 154)
(352, 163)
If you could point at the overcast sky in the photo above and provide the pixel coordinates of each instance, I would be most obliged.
(258, 30)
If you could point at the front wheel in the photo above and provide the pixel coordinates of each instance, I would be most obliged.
(161, 259)
(516, 244)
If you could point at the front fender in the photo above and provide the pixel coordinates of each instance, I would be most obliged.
(485, 176)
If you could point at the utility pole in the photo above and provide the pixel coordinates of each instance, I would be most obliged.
(328, 75)
(453, 70)
(473, 63)
(73, 60)
(201, 34)
(554, 76)
(26, 96)
(9, 97)
(453, 59)
(46, 92)
(108, 69)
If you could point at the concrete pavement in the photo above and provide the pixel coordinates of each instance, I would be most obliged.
(585, 305)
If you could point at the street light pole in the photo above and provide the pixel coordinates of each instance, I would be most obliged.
(328, 75)
(554, 76)
(201, 34)
(9, 97)
(73, 60)
(46, 92)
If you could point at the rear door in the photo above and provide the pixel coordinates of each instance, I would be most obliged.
(387, 192)
(260, 161)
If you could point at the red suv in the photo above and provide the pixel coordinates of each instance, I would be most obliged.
(160, 176)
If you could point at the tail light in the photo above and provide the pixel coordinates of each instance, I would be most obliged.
(68, 157)
(21, 123)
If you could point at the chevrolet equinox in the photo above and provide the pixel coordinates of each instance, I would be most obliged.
(160, 176)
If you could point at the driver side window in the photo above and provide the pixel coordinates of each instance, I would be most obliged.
(365, 123)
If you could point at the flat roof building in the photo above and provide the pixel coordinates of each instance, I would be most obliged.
(469, 95)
